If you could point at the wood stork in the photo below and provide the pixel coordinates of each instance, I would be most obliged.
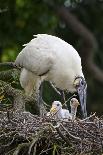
(49, 58)
(57, 112)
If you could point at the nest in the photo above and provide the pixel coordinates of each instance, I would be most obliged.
(27, 134)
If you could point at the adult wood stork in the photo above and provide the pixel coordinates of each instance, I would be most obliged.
(49, 58)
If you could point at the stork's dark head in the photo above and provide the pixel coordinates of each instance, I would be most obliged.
(81, 87)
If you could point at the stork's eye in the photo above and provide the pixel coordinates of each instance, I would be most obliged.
(82, 83)
(58, 104)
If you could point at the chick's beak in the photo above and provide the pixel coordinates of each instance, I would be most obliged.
(53, 109)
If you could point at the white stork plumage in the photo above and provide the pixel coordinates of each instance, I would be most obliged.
(49, 58)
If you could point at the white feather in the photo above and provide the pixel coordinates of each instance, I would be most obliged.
(52, 56)
(58, 113)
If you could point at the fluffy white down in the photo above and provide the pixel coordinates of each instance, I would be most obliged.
(57, 112)
(51, 55)
(65, 114)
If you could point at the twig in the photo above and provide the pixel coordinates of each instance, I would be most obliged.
(20, 99)
(91, 116)
(20, 146)
(69, 99)
(8, 134)
(9, 64)
(34, 151)
(32, 144)
(62, 136)
(44, 151)
(57, 91)
(72, 136)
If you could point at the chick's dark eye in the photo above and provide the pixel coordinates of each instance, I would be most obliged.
(58, 104)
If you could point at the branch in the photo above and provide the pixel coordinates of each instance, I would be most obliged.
(8, 74)
(9, 65)
(88, 118)
(70, 135)
(62, 136)
(19, 98)
(20, 147)
(56, 90)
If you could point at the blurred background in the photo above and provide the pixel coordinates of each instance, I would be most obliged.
(79, 22)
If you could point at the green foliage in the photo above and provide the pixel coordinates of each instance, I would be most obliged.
(22, 19)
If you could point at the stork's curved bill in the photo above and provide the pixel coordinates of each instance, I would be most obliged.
(82, 92)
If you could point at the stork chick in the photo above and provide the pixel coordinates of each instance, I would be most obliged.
(74, 104)
(57, 112)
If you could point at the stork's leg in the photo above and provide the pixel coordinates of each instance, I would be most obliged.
(64, 99)
(40, 93)
(63, 96)
(41, 102)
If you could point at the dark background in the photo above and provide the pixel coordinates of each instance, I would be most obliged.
(79, 22)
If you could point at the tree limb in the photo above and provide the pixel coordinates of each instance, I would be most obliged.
(8, 74)
(9, 65)
(19, 98)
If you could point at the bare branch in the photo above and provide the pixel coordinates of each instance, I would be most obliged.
(56, 90)
(88, 118)
(8, 74)
(19, 98)
(70, 135)
(9, 65)
(62, 136)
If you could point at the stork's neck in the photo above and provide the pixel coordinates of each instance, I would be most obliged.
(73, 111)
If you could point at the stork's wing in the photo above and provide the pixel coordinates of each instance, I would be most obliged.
(35, 58)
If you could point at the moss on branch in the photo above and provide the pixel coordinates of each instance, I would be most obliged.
(19, 98)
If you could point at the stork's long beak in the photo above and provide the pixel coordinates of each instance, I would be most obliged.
(82, 92)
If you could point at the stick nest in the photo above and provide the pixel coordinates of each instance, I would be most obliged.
(22, 133)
